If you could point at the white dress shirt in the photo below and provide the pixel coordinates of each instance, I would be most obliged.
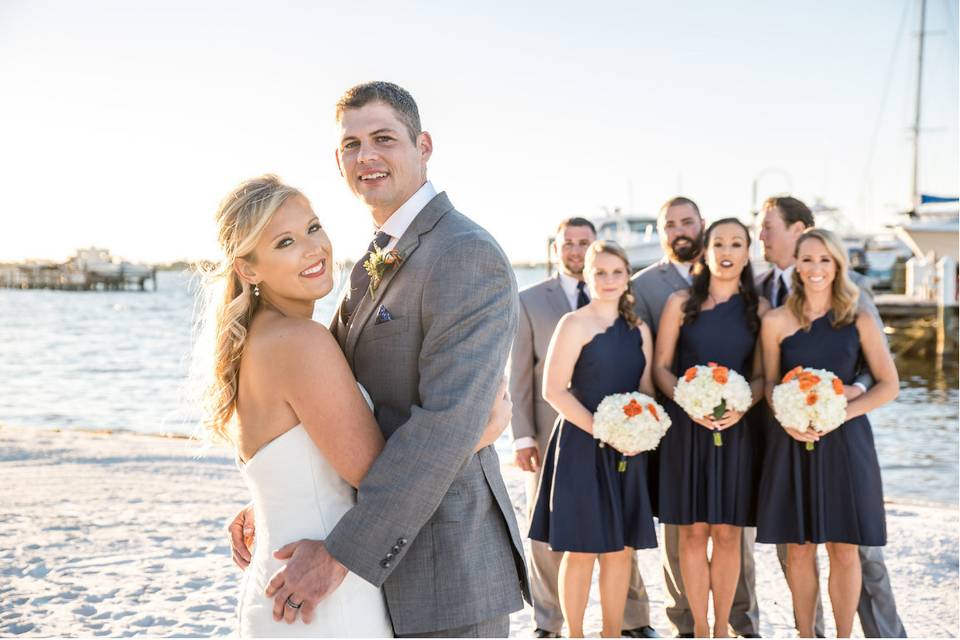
(787, 275)
(569, 284)
(401, 219)
(683, 268)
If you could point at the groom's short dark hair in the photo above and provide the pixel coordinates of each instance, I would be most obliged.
(388, 93)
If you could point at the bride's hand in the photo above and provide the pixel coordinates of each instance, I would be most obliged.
(499, 418)
(241, 536)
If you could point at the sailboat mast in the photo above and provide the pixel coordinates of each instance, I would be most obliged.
(919, 96)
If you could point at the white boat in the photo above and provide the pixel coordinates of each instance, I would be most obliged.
(933, 233)
(635, 233)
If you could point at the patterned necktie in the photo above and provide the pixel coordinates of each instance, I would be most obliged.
(360, 279)
(781, 296)
(582, 299)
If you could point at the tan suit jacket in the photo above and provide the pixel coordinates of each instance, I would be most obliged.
(541, 307)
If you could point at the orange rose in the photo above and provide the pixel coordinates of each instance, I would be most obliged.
(720, 374)
(690, 374)
(838, 386)
(652, 409)
(632, 409)
(808, 381)
(812, 398)
(790, 375)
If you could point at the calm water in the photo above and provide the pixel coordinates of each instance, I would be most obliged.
(119, 360)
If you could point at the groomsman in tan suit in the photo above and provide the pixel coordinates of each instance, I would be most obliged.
(541, 307)
(680, 227)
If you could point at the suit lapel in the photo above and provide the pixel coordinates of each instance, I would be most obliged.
(672, 276)
(408, 243)
(557, 297)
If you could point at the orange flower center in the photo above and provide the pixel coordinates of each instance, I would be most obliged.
(790, 375)
(812, 399)
(720, 374)
(652, 409)
(808, 381)
(838, 386)
(632, 408)
(690, 374)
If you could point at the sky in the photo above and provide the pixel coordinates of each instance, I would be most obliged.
(122, 124)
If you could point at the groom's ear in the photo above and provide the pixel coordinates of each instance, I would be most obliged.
(245, 271)
(425, 145)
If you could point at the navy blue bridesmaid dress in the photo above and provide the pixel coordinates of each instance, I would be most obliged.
(699, 481)
(584, 503)
(833, 493)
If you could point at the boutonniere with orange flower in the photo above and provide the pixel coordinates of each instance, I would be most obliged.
(379, 264)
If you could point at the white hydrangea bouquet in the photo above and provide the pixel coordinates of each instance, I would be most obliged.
(630, 422)
(711, 390)
(810, 398)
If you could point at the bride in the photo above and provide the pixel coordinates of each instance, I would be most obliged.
(283, 395)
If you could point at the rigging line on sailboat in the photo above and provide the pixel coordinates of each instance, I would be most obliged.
(952, 21)
(883, 106)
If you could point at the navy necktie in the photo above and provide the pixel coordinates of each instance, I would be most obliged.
(781, 296)
(360, 279)
(582, 299)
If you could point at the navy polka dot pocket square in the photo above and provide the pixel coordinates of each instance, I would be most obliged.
(383, 315)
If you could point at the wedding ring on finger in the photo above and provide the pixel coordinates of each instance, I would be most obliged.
(293, 605)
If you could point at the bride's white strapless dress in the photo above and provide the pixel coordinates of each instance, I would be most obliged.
(297, 494)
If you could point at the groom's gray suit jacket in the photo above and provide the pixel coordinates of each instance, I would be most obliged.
(433, 523)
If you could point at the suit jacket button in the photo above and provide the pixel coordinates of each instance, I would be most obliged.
(385, 563)
(401, 541)
(395, 549)
(389, 556)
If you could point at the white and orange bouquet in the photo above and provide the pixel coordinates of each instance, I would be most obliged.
(709, 391)
(630, 422)
(810, 398)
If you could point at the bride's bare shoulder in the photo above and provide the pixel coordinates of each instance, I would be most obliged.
(282, 343)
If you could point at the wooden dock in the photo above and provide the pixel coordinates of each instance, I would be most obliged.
(58, 277)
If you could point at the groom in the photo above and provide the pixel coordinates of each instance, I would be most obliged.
(428, 336)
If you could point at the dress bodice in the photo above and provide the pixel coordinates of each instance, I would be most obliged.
(718, 335)
(612, 362)
(823, 346)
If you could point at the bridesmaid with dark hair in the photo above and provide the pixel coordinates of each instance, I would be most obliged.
(706, 489)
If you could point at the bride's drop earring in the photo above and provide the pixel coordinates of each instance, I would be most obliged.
(256, 290)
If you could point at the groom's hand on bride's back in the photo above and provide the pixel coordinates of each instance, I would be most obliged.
(241, 536)
(310, 575)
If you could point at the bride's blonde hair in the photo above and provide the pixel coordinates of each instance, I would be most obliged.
(230, 301)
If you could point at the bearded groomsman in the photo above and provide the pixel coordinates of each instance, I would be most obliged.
(680, 228)
(784, 219)
(541, 307)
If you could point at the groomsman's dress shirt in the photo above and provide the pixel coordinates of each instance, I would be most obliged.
(396, 225)
(782, 277)
(571, 289)
(684, 268)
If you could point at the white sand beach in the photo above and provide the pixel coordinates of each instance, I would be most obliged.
(122, 534)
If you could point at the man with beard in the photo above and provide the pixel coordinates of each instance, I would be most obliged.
(680, 227)
(541, 307)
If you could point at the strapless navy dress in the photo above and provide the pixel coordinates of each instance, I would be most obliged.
(833, 493)
(584, 503)
(699, 481)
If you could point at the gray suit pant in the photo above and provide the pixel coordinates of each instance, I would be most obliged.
(545, 577)
(877, 609)
(498, 627)
(744, 614)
